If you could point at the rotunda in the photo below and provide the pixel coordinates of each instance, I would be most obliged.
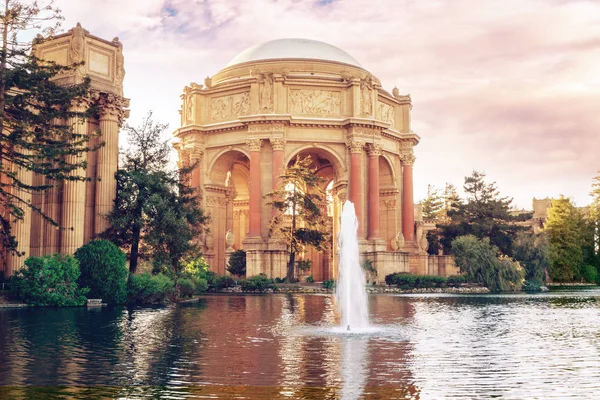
(292, 97)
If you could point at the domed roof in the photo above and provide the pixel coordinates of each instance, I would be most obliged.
(294, 49)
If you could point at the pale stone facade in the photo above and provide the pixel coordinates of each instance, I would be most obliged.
(79, 207)
(291, 97)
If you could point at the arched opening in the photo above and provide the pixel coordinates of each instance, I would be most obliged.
(227, 197)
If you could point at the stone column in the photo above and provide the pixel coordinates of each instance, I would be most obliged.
(408, 212)
(277, 144)
(73, 200)
(21, 229)
(111, 116)
(355, 190)
(254, 146)
(196, 154)
(374, 151)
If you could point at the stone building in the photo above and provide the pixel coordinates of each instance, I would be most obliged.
(292, 97)
(79, 207)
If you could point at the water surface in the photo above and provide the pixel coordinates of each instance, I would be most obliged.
(543, 346)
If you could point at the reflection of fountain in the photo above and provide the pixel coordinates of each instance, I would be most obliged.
(354, 366)
(350, 292)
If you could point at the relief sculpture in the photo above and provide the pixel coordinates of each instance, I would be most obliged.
(385, 113)
(229, 107)
(314, 102)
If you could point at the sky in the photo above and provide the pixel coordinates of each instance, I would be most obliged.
(510, 88)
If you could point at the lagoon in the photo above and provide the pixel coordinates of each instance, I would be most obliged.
(282, 346)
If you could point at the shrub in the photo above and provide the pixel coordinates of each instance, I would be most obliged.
(532, 286)
(408, 281)
(223, 281)
(49, 281)
(237, 263)
(279, 280)
(257, 283)
(329, 284)
(187, 288)
(455, 280)
(368, 267)
(589, 273)
(310, 279)
(304, 265)
(149, 289)
(103, 270)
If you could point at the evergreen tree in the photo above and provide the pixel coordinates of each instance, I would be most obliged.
(564, 226)
(31, 103)
(595, 221)
(433, 205)
(300, 199)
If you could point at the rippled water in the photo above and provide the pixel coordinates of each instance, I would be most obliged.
(542, 346)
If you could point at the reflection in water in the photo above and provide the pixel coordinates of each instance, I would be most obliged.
(284, 347)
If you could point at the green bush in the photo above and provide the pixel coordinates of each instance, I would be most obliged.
(532, 286)
(455, 280)
(329, 284)
(49, 281)
(279, 280)
(149, 289)
(222, 282)
(310, 279)
(103, 270)
(200, 285)
(237, 263)
(589, 273)
(257, 283)
(187, 288)
(408, 281)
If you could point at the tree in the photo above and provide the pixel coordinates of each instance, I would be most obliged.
(299, 200)
(565, 229)
(141, 176)
(237, 263)
(433, 205)
(484, 214)
(31, 102)
(478, 260)
(533, 252)
(595, 221)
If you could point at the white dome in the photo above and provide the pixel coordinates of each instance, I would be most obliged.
(294, 49)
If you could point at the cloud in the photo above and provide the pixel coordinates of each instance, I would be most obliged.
(507, 87)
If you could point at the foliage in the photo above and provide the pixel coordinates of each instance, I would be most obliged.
(565, 230)
(590, 274)
(303, 265)
(298, 199)
(49, 281)
(455, 280)
(149, 289)
(532, 286)
(433, 239)
(484, 214)
(329, 284)
(533, 252)
(368, 267)
(222, 282)
(258, 283)
(187, 287)
(309, 279)
(594, 221)
(103, 271)
(477, 260)
(31, 103)
(433, 204)
(237, 263)
(408, 281)
(141, 179)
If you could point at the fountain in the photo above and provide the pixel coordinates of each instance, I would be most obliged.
(351, 296)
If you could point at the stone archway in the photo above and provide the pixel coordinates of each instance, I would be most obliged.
(226, 201)
(328, 168)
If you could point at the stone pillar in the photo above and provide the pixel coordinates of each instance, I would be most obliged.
(355, 190)
(73, 200)
(408, 212)
(21, 229)
(196, 154)
(374, 151)
(277, 144)
(111, 115)
(254, 146)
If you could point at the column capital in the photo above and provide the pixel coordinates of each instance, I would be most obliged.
(355, 146)
(278, 144)
(374, 149)
(196, 154)
(254, 145)
(112, 107)
(408, 159)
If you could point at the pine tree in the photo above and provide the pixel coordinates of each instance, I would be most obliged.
(31, 107)
(595, 220)
(564, 226)
(300, 199)
(433, 205)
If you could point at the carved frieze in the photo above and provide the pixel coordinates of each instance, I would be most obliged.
(385, 113)
(265, 91)
(314, 102)
(229, 107)
(264, 128)
(366, 99)
(216, 201)
(389, 204)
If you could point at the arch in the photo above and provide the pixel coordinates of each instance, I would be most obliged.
(216, 157)
(325, 152)
(387, 172)
(223, 162)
